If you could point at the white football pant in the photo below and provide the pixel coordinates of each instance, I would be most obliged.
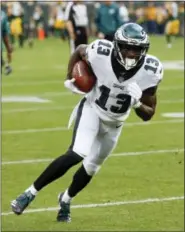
(92, 138)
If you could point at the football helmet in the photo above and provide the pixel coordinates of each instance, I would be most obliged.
(131, 43)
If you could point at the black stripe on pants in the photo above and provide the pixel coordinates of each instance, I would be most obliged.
(79, 114)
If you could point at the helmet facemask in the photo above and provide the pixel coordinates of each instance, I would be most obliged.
(128, 55)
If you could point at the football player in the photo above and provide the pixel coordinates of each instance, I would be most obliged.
(127, 78)
(173, 24)
(5, 30)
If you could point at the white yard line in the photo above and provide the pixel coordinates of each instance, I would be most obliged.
(25, 131)
(34, 161)
(181, 100)
(41, 68)
(68, 93)
(45, 94)
(38, 109)
(32, 109)
(33, 130)
(118, 203)
(136, 153)
(29, 83)
(45, 82)
(166, 88)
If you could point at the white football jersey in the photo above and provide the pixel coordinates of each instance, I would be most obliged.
(107, 97)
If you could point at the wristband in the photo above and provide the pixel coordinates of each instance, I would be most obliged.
(137, 105)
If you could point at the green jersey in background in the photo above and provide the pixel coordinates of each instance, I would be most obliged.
(5, 29)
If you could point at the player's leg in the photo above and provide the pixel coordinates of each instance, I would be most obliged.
(30, 38)
(62, 164)
(72, 45)
(176, 28)
(168, 29)
(55, 170)
(108, 139)
(2, 61)
(77, 40)
(103, 145)
(83, 141)
(21, 40)
(7, 67)
(80, 179)
(83, 37)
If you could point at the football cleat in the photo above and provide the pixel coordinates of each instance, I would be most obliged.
(21, 202)
(8, 70)
(64, 211)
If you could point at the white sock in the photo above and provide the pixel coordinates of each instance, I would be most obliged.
(32, 190)
(66, 198)
(7, 64)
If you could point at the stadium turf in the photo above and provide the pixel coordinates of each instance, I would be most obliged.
(148, 161)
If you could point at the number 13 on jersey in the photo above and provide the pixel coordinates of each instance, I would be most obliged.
(119, 105)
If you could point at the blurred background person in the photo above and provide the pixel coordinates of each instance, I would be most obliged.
(140, 17)
(173, 24)
(38, 16)
(76, 18)
(151, 15)
(160, 19)
(51, 22)
(107, 20)
(29, 27)
(5, 31)
(181, 17)
(17, 23)
(124, 13)
(59, 20)
(31, 32)
(30, 20)
(91, 11)
(132, 11)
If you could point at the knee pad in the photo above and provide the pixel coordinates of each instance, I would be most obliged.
(91, 168)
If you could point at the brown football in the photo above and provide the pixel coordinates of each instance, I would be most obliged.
(84, 77)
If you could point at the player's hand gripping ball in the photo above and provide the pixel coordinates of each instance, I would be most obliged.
(84, 77)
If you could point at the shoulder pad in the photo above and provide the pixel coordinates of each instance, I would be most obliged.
(98, 48)
(154, 68)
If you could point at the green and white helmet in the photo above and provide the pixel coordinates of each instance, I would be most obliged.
(131, 43)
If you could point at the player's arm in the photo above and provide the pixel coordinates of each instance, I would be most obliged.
(70, 29)
(146, 110)
(79, 54)
(83, 52)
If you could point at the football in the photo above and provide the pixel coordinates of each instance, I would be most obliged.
(84, 77)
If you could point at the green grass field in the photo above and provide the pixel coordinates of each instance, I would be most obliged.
(140, 189)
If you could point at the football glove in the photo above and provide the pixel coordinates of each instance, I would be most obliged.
(135, 92)
(69, 85)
